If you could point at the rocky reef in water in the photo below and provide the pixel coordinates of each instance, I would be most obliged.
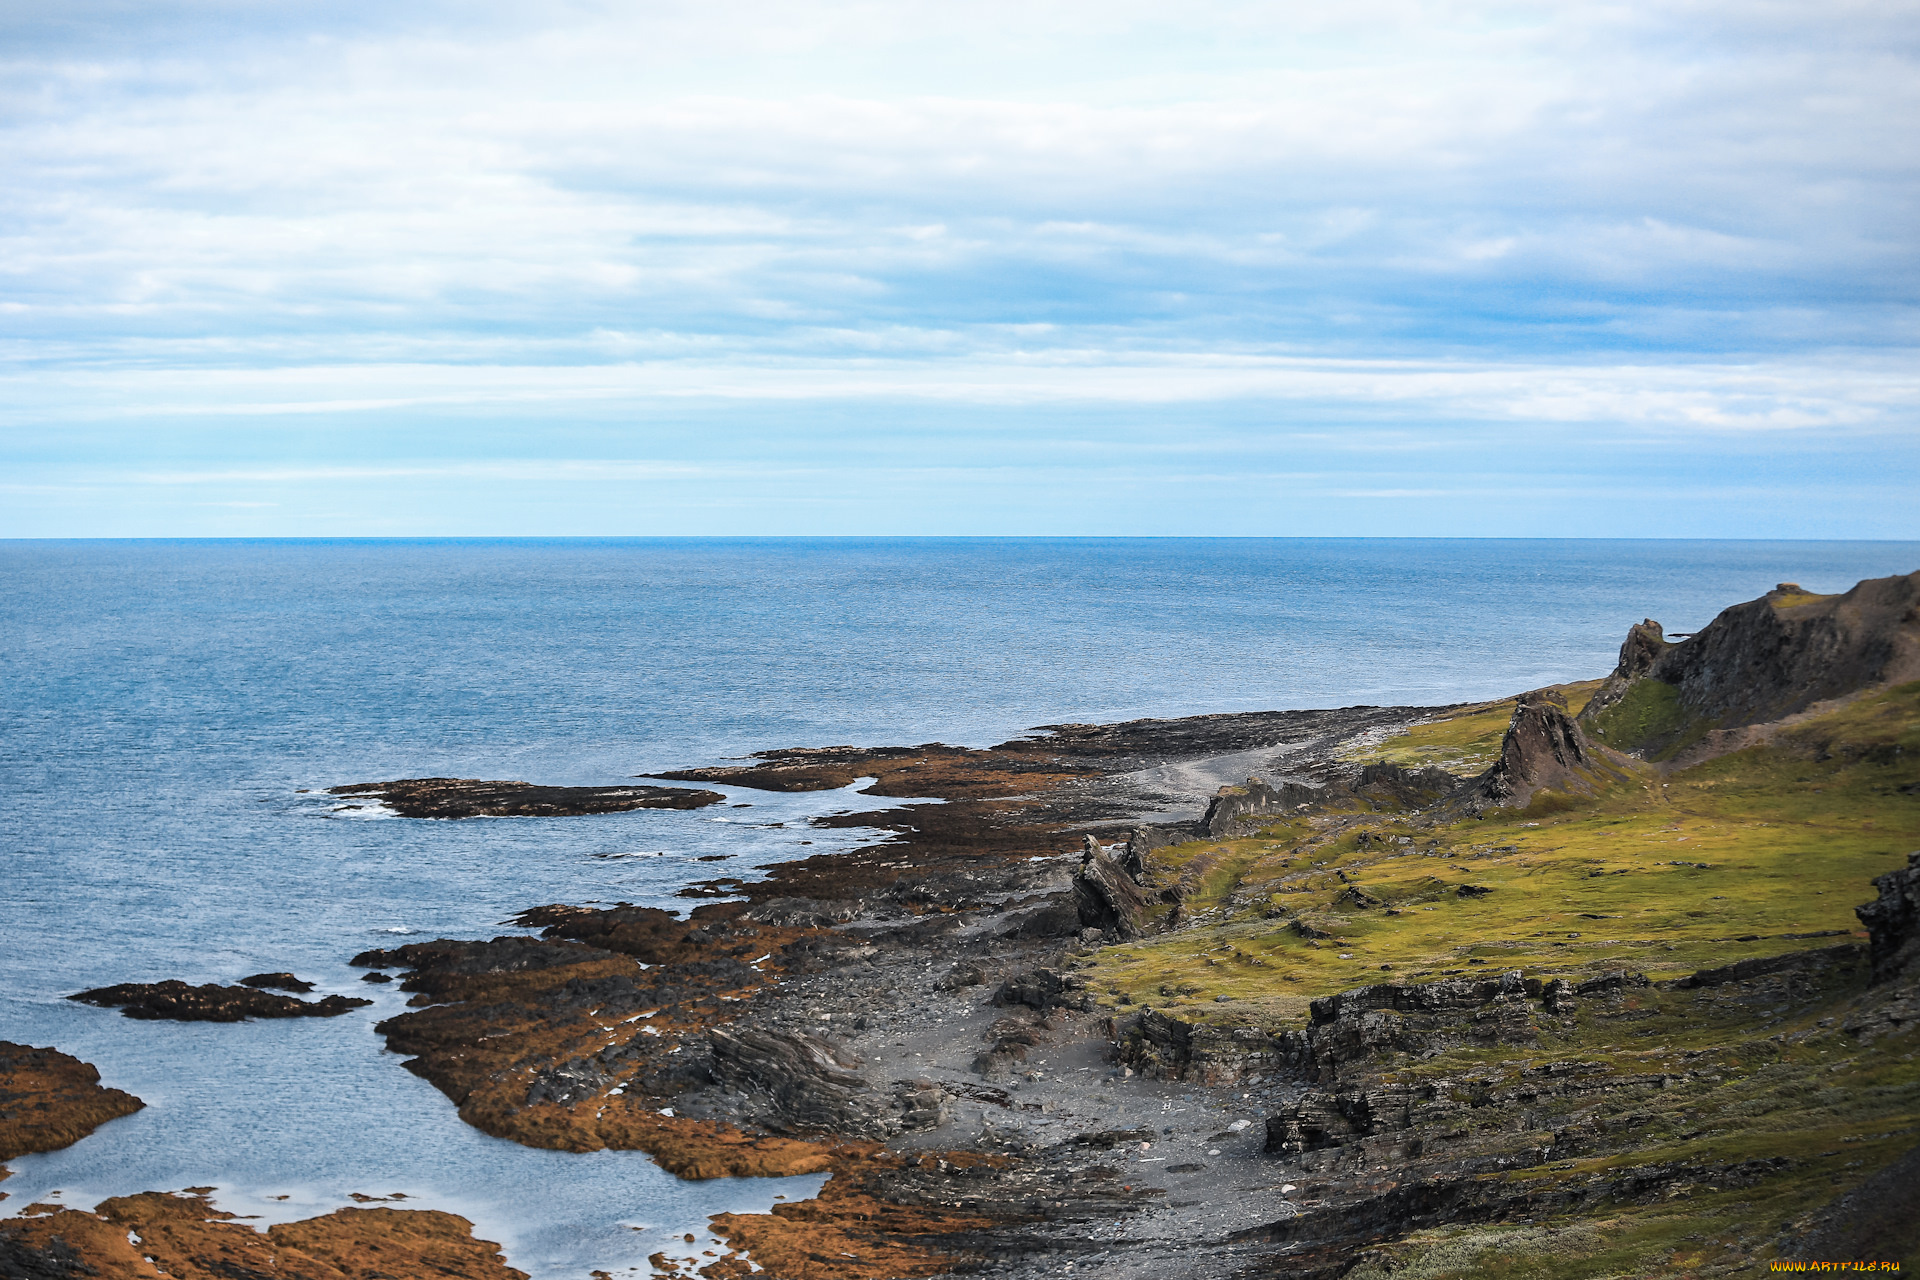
(180, 1234)
(50, 1100)
(177, 1001)
(474, 798)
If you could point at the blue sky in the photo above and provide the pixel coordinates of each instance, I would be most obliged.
(1054, 268)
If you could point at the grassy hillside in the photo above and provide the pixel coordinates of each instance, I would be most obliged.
(1753, 854)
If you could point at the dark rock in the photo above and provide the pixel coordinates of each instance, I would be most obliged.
(375, 977)
(1107, 1139)
(1413, 788)
(1258, 798)
(1106, 897)
(176, 1001)
(567, 1082)
(1893, 921)
(277, 982)
(474, 798)
(810, 1084)
(964, 974)
(1762, 966)
(1045, 989)
(1642, 649)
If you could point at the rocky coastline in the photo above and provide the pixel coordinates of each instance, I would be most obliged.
(1304, 994)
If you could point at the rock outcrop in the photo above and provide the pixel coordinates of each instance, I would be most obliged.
(1893, 923)
(1646, 642)
(50, 1100)
(1258, 798)
(1758, 662)
(1106, 896)
(1545, 750)
(1347, 1032)
(176, 1001)
(475, 798)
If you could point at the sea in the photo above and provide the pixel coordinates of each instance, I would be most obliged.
(171, 713)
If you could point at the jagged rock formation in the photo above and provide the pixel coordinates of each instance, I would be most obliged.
(1758, 662)
(1646, 642)
(1258, 798)
(475, 798)
(1545, 749)
(1107, 898)
(175, 1001)
(1347, 1031)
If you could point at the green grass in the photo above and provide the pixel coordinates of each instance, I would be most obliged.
(1791, 834)
(1466, 740)
(1790, 844)
(1649, 714)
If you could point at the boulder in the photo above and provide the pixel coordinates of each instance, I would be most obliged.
(1045, 989)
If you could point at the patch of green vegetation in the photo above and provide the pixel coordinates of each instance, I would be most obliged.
(1794, 599)
(1882, 728)
(1648, 713)
(1751, 854)
(1467, 739)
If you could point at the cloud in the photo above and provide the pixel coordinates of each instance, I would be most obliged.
(1645, 218)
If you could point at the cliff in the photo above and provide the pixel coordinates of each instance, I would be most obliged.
(1756, 663)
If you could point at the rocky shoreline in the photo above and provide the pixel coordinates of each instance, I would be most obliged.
(1163, 999)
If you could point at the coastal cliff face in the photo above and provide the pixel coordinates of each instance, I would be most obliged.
(1758, 662)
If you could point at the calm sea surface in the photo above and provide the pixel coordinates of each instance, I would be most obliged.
(164, 704)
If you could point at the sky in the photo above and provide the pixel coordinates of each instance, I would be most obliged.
(1634, 268)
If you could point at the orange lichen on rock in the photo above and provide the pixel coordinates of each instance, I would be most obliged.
(181, 1235)
(848, 1232)
(50, 1100)
(531, 1037)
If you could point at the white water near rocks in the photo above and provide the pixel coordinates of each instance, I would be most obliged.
(166, 704)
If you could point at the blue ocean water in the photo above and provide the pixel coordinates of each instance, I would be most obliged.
(168, 710)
